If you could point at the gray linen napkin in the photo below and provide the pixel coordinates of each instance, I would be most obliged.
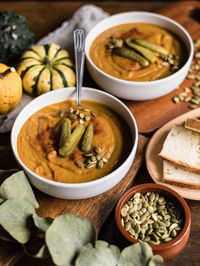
(85, 17)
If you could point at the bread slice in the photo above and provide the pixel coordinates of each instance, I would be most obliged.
(180, 177)
(182, 149)
(193, 124)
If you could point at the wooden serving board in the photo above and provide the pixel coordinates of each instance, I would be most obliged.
(152, 114)
(95, 209)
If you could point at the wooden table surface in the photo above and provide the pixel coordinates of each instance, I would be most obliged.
(44, 17)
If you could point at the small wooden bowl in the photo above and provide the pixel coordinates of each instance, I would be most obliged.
(173, 247)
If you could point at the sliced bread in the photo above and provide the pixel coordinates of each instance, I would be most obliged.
(193, 124)
(182, 149)
(180, 177)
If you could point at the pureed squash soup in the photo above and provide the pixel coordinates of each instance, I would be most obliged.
(138, 52)
(64, 143)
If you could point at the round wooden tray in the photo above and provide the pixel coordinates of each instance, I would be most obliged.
(154, 162)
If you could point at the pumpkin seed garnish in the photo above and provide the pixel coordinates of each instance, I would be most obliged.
(88, 154)
(72, 116)
(100, 164)
(81, 115)
(85, 110)
(90, 165)
(76, 112)
(87, 117)
(175, 99)
(81, 121)
(193, 106)
(70, 110)
(98, 157)
(80, 164)
(104, 160)
(97, 149)
(93, 114)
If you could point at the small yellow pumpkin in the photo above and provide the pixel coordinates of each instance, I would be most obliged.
(10, 88)
(44, 68)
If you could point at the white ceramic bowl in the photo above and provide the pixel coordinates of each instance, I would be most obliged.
(80, 190)
(132, 90)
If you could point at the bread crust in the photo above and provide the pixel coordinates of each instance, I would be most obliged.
(183, 166)
(182, 183)
(193, 124)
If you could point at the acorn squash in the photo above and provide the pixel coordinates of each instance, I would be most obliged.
(15, 36)
(10, 89)
(44, 68)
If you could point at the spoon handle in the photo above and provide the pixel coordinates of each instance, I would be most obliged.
(79, 47)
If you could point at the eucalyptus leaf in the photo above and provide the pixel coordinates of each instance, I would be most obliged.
(156, 260)
(102, 254)
(14, 218)
(42, 223)
(4, 174)
(17, 186)
(66, 236)
(135, 255)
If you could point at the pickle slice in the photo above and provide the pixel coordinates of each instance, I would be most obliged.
(87, 138)
(75, 138)
(65, 135)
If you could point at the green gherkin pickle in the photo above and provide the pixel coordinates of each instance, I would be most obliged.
(148, 54)
(87, 138)
(120, 51)
(159, 49)
(75, 138)
(65, 135)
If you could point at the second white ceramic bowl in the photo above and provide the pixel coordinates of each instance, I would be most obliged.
(132, 90)
(80, 190)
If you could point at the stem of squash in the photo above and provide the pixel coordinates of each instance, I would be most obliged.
(47, 62)
(5, 73)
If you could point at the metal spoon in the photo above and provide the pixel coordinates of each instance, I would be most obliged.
(79, 48)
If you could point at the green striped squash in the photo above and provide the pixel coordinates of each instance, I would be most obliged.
(44, 68)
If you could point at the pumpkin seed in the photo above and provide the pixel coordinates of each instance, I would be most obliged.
(93, 114)
(81, 115)
(193, 106)
(175, 99)
(173, 233)
(90, 165)
(76, 112)
(81, 121)
(87, 117)
(88, 154)
(127, 226)
(85, 110)
(72, 116)
(70, 110)
(97, 149)
(104, 160)
(98, 157)
(100, 164)
(80, 164)
(123, 212)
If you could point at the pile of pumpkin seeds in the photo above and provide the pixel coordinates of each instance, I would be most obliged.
(151, 218)
(92, 159)
(82, 114)
(172, 60)
(191, 94)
